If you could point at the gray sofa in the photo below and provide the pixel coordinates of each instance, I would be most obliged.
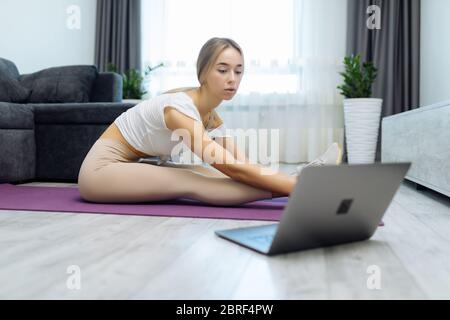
(421, 136)
(48, 141)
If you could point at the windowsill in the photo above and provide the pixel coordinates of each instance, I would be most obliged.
(132, 100)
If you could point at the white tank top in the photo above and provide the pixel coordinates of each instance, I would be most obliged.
(144, 128)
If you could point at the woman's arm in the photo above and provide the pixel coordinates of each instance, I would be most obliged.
(228, 143)
(195, 136)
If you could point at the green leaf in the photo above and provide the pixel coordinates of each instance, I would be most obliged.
(132, 81)
(357, 78)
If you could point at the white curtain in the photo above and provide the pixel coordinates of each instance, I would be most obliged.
(293, 51)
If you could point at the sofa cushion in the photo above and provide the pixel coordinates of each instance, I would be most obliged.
(61, 149)
(74, 113)
(16, 116)
(60, 84)
(107, 88)
(11, 90)
(9, 69)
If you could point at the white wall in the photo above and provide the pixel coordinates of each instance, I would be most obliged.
(435, 52)
(34, 34)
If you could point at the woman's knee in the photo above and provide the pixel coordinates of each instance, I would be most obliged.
(87, 191)
(88, 185)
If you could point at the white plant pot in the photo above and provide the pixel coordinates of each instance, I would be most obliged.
(362, 122)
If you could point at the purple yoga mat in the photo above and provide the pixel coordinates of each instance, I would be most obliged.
(68, 199)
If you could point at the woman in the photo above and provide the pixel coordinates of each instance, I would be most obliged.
(110, 172)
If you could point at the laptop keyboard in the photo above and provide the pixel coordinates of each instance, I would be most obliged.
(263, 238)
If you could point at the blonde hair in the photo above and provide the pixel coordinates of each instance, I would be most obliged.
(209, 53)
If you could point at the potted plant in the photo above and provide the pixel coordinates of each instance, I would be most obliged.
(133, 81)
(361, 112)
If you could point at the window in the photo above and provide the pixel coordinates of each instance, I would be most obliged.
(174, 31)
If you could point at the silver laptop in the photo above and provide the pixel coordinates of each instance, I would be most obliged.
(329, 205)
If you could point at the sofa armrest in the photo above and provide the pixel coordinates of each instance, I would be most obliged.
(107, 88)
(17, 143)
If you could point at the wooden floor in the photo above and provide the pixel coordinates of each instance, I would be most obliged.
(135, 257)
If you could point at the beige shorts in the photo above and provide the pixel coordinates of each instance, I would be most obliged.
(110, 172)
(103, 154)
